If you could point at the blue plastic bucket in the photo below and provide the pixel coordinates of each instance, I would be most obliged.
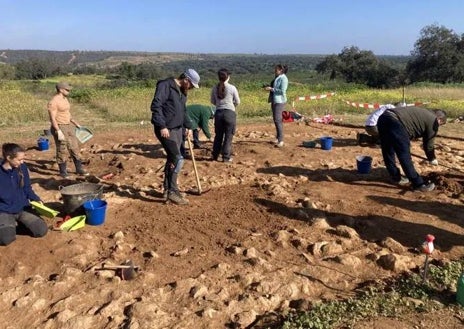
(42, 144)
(326, 143)
(95, 211)
(364, 164)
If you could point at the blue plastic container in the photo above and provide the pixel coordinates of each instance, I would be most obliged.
(95, 211)
(42, 144)
(326, 143)
(364, 164)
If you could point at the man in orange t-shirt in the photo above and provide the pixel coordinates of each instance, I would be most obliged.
(63, 128)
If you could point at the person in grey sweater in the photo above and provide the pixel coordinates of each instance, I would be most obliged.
(225, 97)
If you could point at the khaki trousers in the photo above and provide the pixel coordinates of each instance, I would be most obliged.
(71, 144)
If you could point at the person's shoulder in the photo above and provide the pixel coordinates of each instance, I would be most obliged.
(54, 101)
(23, 167)
(55, 98)
(167, 81)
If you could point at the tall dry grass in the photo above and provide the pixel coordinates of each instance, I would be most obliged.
(25, 102)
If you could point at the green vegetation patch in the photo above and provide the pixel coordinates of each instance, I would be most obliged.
(392, 298)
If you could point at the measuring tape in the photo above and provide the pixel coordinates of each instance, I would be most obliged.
(377, 105)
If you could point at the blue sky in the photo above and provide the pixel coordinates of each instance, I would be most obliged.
(386, 27)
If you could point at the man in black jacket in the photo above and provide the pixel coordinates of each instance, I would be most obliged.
(397, 127)
(168, 118)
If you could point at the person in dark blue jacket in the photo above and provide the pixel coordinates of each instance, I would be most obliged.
(169, 117)
(15, 196)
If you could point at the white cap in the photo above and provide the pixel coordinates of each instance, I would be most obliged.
(193, 77)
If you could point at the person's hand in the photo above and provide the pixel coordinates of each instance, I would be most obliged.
(268, 88)
(60, 135)
(188, 133)
(164, 132)
(433, 162)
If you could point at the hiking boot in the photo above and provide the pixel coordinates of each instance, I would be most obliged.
(82, 172)
(165, 195)
(177, 198)
(228, 160)
(425, 187)
(280, 144)
(63, 171)
(79, 169)
(402, 182)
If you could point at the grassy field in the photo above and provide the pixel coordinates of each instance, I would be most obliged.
(24, 102)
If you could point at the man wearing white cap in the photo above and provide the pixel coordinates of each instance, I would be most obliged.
(169, 118)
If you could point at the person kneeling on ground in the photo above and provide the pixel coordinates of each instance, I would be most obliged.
(15, 196)
(397, 127)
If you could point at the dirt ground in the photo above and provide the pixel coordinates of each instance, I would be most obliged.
(276, 229)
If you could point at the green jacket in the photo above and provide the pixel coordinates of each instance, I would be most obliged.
(199, 116)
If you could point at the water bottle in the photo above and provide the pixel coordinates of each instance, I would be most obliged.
(460, 290)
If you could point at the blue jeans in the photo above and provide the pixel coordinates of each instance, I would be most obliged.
(277, 109)
(394, 140)
(224, 129)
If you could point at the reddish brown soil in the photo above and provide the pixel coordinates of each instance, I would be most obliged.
(243, 248)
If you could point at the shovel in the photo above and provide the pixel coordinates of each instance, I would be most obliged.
(126, 272)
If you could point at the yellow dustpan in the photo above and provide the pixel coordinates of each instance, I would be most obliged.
(73, 224)
(44, 210)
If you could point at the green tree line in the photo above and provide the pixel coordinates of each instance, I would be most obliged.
(438, 56)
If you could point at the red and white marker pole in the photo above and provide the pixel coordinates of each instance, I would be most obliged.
(427, 248)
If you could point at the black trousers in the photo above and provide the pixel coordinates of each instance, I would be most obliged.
(225, 122)
(394, 140)
(174, 160)
(8, 224)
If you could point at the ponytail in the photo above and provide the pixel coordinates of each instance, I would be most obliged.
(223, 75)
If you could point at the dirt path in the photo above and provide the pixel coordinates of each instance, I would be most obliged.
(275, 228)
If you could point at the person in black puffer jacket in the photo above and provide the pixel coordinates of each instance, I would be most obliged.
(169, 118)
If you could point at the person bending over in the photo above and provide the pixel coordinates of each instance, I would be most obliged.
(397, 127)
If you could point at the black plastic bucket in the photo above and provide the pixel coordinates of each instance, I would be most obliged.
(75, 195)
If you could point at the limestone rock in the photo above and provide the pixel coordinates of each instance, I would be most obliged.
(348, 260)
(331, 249)
(198, 291)
(244, 319)
(346, 232)
(393, 262)
(393, 245)
(250, 252)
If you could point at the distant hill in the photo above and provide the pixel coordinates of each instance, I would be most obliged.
(98, 58)
(104, 59)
